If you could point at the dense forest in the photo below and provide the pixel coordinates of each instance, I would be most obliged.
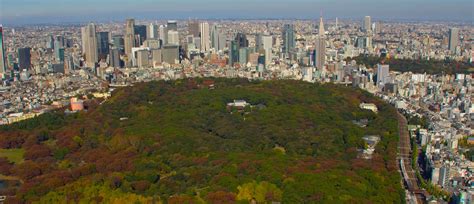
(177, 142)
(417, 66)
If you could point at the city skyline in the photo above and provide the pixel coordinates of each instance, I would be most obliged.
(54, 11)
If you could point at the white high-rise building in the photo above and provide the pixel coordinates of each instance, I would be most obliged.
(163, 34)
(267, 45)
(173, 37)
(152, 31)
(205, 37)
(89, 44)
(367, 25)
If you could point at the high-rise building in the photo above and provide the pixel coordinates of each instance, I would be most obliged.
(170, 54)
(243, 55)
(24, 58)
(267, 45)
(114, 57)
(218, 38)
(173, 37)
(103, 43)
(3, 65)
(194, 28)
(59, 54)
(118, 42)
(453, 39)
(89, 41)
(234, 53)
(163, 34)
(129, 38)
(241, 40)
(289, 41)
(321, 46)
(383, 74)
(142, 58)
(152, 31)
(205, 37)
(172, 25)
(140, 34)
(367, 24)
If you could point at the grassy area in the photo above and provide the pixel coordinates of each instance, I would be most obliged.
(13, 155)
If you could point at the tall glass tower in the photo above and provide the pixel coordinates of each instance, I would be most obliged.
(288, 35)
(3, 66)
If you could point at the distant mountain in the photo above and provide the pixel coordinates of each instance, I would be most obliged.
(186, 141)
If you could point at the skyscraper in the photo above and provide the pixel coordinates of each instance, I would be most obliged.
(172, 25)
(241, 40)
(288, 35)
(194, 28)
(140, 34)
(267, 44)
(453, 39)
(103, 43)
(152, 31)
(383, 74)
(163, 34)
(24, 58)
(89, 44)
(205, 37)
(218, 38)
(321, 46)
(234, 53)
(173, 37)
(129, 38)
(3, 65)
(367, 25)
(114, 57)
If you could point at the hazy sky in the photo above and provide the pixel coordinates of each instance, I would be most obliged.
(53, 11)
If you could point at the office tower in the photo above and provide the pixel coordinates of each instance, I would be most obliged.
(114, 57)
(173, 37)
(378, 28)
(289, 41)
(243, 55)
(453, 39)
(3, 65)
(218, 38)
(152, 31)
(367, 25)
(337, 23)
(197, 42)
(321, 46)
(118, 42)
(170, 54)
(172, 25)
(50, 43)
(444, 176)
(205, 37)
(383, 74)
(267, 45)
(163, 34)
(258, 41)
(103, 43)
(24, 58)
(267, 42)
(234, 53)
(89, 41)
(152, 43)
(156, 57)
(194, 28)
(129, 38)
(59, 54)
(142, 58)
(241, 40)
(140, 34)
